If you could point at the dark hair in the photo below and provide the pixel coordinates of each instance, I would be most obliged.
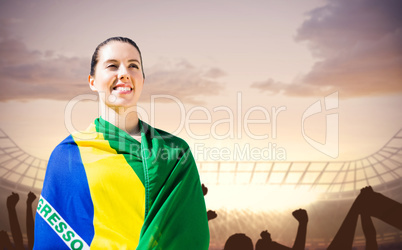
(94, 60)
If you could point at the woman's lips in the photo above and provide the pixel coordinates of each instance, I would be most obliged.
(122, 89)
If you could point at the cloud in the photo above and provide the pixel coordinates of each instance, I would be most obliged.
(358, 44)
(214, 73)
(27, 74)
(345, 24)
(275, 87)
(182, 80)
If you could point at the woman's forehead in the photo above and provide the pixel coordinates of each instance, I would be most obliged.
(118, 51)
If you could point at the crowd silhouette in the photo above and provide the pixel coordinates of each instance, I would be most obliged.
(5, 242)
(17, 243)
(239, 241)
(210, 213)
(367, 204)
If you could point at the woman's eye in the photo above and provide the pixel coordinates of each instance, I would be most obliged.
(133, 66)
(112, 66)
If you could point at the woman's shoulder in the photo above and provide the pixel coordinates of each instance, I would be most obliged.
(167, 137)
(67, 144)
(70, 142)
(66, 151)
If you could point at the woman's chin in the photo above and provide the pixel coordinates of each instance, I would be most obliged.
(120, 104)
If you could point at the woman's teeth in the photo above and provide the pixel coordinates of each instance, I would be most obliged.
(122, 88)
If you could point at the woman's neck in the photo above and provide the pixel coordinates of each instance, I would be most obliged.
(124, 118)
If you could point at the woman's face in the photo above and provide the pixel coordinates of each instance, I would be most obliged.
(118, 75)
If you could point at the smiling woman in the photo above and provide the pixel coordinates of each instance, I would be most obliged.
(117, 73)
(121, 184)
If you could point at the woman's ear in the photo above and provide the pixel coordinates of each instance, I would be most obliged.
(91, 82)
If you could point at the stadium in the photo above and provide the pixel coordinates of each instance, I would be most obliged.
(250, 197)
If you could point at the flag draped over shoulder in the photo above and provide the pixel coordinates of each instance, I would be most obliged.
(105, 190)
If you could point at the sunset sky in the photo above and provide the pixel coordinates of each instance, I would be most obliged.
(221, 65)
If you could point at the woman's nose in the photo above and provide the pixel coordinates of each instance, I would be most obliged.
(124, 77)
(123, 74)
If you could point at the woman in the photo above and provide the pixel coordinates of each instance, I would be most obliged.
(121, 184)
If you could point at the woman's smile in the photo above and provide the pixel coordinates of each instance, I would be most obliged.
(122, 88)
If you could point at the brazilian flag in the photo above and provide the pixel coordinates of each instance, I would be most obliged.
(105, 190)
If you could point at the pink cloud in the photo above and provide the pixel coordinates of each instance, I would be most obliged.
(358, 44)
(29, 74)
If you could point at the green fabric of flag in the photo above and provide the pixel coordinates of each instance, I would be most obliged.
(175, 212)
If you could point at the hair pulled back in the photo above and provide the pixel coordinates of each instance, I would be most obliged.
(94, 60)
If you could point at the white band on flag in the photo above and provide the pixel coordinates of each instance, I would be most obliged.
(60, 226)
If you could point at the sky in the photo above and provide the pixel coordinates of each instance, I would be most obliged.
(283, 80)
(260, 80)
